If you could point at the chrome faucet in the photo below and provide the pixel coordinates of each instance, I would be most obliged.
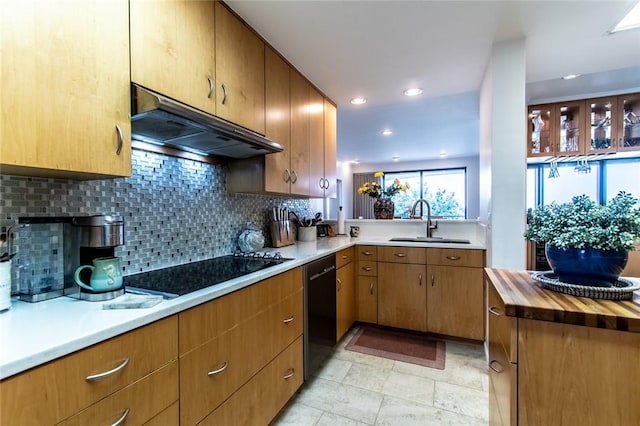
(430, 227)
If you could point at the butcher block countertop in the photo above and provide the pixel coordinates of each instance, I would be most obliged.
(525, 297)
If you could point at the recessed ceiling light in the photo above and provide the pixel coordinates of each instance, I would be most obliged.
(412, 92)
(443, 154)
(355, 161)
(630, 21)
(387, 132)
(396, 158)
(570, 76)
(358, 101)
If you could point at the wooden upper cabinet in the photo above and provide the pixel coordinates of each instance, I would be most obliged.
(570, 132)
(540, 130)
(628, 122)
(173, 50)
(300, 131)
(65, 88)
(601, 116)
(315, 111)
(278, 123)
(240, 70)
(330, 148)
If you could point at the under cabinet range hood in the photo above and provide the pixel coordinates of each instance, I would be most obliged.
(159, 120)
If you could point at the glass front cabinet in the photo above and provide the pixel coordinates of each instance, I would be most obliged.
(591, 126)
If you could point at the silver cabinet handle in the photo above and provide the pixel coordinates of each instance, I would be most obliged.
(367, 253)
(218, 370)
(420, 279)
(326, 184)
(289, 374)
(224, 94)
(321, 183)
(120, 139)
(367, 268)
(94, 377)
(211, 87)
(433, 280)
(122, 418)
(294, 176)
(400, 254)
(339, 283)
(344, 256)
(499, 369)
(371, 288)
(287, 320)
(286, 175)
(495, 311)
(453, 257)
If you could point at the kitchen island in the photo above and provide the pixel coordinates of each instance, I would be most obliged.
(559, 359)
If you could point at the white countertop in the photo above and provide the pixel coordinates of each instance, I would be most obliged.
(34, 333)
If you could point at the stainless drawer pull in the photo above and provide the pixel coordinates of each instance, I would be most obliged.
(211, 87)
(433, 280)
(371, 288)
(287, 175)
(287, 320)
(122, 418)
(339, 283)
(453, 257)
(219, 370)
(99, 376)
(420, 279)
(224, 94)
(289, 374)
(495, 311)
(294, 176)
(400, 254)
(344, 256)
(367, 268)
(120, 140)
(500, 368)
(367, 253)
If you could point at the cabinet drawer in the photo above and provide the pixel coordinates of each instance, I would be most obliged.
(402, 255)
(238, 354)
(455, 257)
(502, 328)
(344, 256)
(367, 268)
(42, 395)
(137, 403)
(367, 252)
(258, 402)
(207, 321)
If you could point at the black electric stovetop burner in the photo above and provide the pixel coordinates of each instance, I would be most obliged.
(182, 279)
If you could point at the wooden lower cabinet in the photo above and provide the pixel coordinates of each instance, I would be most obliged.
(455, 301)
(367, 297)
(262, 397)
(402, 295)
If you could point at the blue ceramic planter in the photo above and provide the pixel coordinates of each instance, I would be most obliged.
(586, 266)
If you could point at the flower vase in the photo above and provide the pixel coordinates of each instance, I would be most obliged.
(383, 208)
(586, 266)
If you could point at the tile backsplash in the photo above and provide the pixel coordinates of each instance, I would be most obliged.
(175, 210)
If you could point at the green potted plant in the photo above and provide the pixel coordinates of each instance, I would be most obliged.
(587, 243)
(383, 207)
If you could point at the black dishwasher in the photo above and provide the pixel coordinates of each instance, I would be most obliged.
(320, 312)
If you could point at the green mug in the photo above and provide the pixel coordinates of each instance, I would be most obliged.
(105, 274)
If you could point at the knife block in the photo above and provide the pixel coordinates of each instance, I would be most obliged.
(282, 233)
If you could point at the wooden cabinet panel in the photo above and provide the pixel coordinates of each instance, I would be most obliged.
(168, 417)
(455, 257)
(330, 148)
(455, 302)
(541, 121)
(570, 374)
(66, 103)
(345, 299)
(300, 131)
(367, 299)
(367, 268)
(59, 389)
(402, 295)
(367, 253)
(344, 256)
(137, 403)
(239, 71)
(277, 98)
(402, 254)
(173, 50)
(502, 329)
(503, 385)
(315, 111)
(257, 402)
(600, 123)
(628, 122)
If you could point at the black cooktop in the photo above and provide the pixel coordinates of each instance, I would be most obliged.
(182, 279)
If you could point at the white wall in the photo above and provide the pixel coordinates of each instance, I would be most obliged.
(503, 155)
(471, 163)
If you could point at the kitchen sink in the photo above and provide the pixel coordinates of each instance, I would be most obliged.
(438, 240)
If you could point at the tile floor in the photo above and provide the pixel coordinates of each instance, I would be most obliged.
(358, 389)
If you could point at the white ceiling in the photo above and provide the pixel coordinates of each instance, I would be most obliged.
(377, 49)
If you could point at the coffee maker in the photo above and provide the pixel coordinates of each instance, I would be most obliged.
(50, 249)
